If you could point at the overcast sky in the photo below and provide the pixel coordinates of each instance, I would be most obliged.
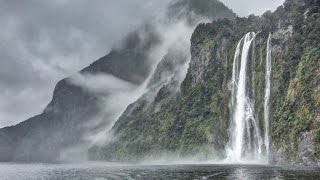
(42, 42)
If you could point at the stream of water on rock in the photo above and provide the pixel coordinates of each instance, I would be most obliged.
(267, 95)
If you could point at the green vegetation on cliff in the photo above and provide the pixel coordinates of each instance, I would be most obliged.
(195, 120)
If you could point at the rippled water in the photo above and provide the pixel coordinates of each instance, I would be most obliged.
(99, 171)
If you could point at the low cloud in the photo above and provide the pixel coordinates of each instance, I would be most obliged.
(102, 83)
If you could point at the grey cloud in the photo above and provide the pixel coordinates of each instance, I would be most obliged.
(42, 42)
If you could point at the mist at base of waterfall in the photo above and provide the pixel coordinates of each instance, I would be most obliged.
(101, 170)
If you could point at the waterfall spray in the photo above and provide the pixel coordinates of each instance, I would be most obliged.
(267, 95)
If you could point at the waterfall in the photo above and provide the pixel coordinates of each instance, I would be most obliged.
(245, 142)
(235, 74)
(267, 95)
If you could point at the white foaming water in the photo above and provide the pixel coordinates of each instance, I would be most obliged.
(267, 95)
(245, 143)
(235, 73)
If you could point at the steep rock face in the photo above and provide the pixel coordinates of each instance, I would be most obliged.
(196, 120)
(187, 123)
(295, 103)
(163, 90)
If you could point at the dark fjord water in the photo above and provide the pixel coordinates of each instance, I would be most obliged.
(100, 171)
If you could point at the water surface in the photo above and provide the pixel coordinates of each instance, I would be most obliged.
(100, 171)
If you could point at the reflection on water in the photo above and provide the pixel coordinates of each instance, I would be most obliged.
(278, 175)
(102, 171)
(241, 174)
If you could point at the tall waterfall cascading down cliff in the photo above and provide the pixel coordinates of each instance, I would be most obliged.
(267, 95)
(245, 141)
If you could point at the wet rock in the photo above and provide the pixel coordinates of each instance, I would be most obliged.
(306, 148)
